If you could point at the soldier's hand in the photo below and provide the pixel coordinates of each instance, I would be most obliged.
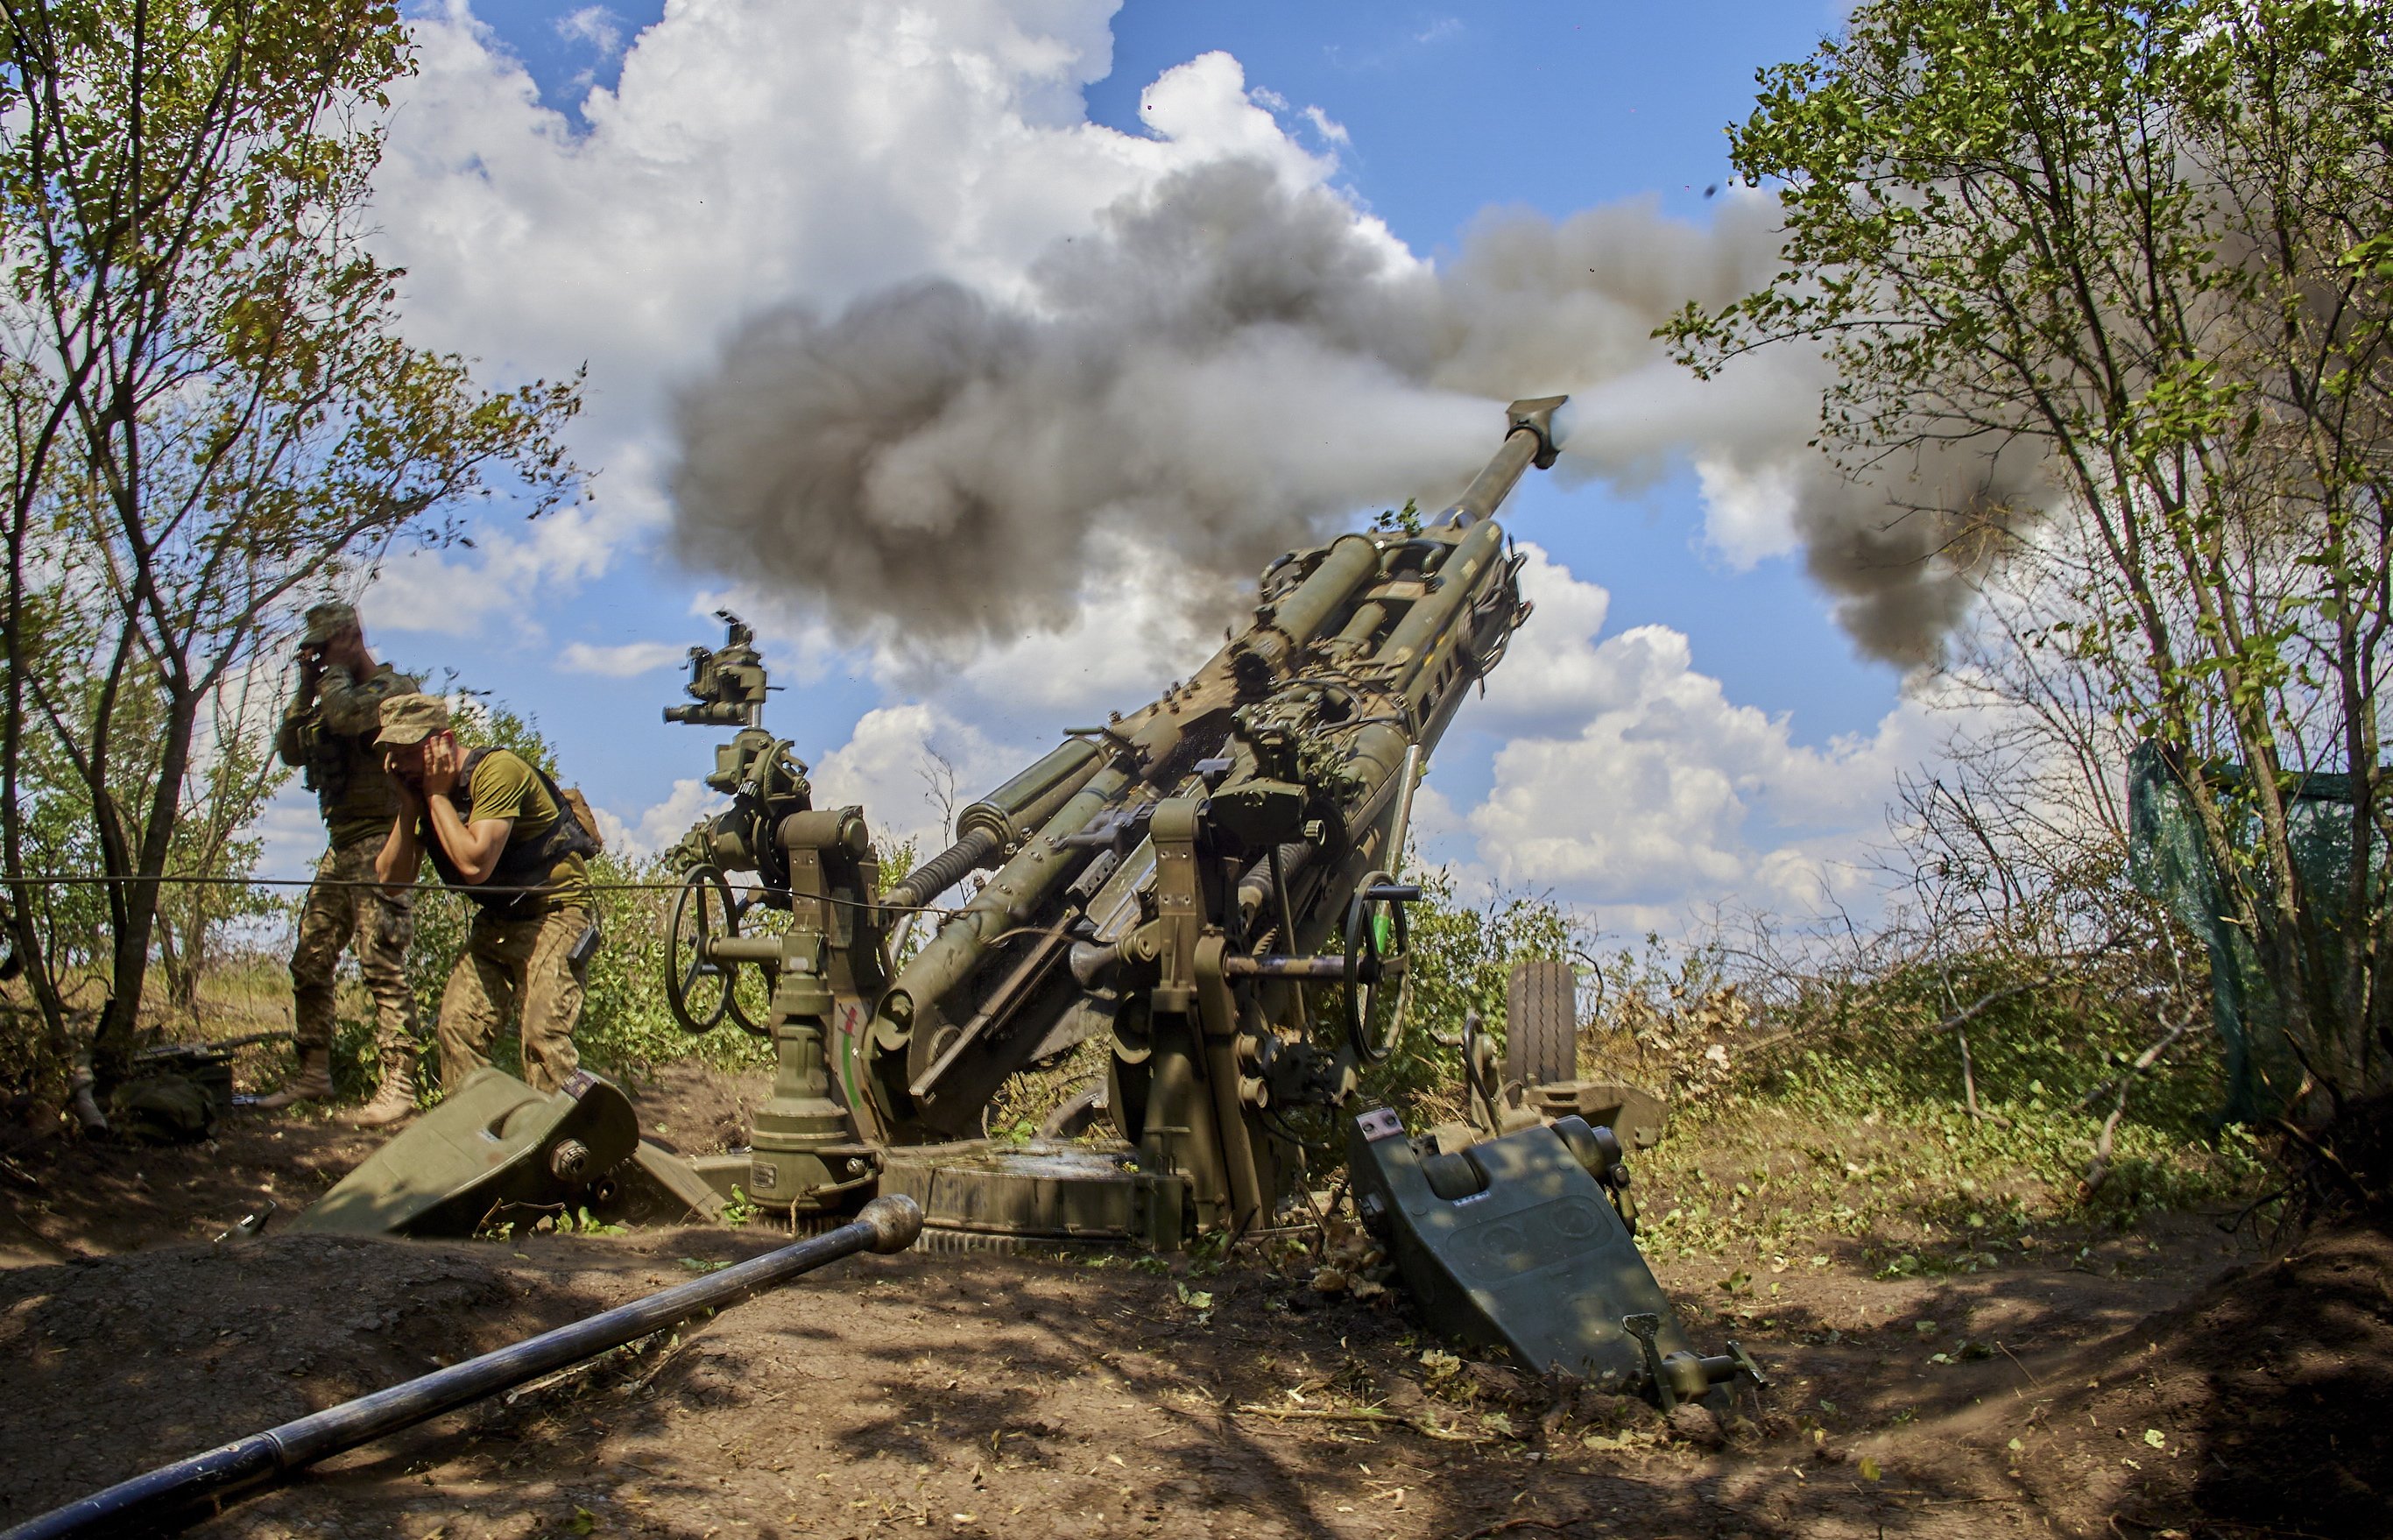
(439, 767)
(410, 798)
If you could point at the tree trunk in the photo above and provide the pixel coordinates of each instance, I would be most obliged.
(136, 909)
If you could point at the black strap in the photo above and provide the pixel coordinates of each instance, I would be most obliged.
(522, 864)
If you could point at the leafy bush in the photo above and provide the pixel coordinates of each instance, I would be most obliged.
(1844, 1109)
(1462, 958)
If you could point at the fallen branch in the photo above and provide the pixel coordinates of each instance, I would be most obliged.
(2022, 1368)
(1426, 1426)
(1557, 1525)
(2098, 1171)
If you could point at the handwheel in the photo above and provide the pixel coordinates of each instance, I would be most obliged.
(698, 989)
(1376, 940)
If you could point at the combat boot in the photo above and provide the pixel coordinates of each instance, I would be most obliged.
(394, 1100)
(313, 1083)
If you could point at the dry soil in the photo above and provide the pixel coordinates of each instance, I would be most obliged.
(2168, 1381)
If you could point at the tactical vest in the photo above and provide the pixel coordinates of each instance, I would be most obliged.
(523, 864)
(339, 765)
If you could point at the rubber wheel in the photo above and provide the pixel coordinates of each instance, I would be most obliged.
(1541, 1023)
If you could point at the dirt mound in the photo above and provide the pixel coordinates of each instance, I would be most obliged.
(142, 1358)
(966, 1394)
(2253, 1408)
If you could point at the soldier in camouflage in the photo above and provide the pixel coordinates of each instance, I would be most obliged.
(500, 831)
(329, 732)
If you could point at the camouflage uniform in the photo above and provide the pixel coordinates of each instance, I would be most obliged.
(529, 945)
(334, 742)
(520, 949)
(523, 962)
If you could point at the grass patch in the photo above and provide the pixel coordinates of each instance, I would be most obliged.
(1856, 1130)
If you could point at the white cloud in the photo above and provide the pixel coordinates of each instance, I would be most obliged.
(754, 153)
(750, 152)
(593, 25)
(1121, 637)
(661, 823)
(291, 834)
(625, 661)
(1204, 109)
(1631, 782)
(454, 592)
(1748, 515)
(896, 766)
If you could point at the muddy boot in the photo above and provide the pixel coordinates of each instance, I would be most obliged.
(394, 1100)
(313, 1083)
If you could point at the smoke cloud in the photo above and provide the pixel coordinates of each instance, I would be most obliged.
(1229, 363)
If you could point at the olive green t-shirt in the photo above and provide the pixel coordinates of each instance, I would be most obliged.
(505, 786)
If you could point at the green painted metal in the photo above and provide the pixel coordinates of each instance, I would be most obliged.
(1169, 881)
(496, 1150)
(1523, 1250)
(1043, 1190)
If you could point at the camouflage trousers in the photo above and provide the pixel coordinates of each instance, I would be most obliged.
(337, 914)
(521, 963)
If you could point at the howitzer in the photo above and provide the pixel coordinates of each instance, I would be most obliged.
(1180, 881)
(1210, 886)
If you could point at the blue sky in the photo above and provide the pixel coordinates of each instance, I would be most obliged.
(541, 232)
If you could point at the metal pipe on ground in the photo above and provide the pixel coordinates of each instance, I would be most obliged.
(163, 1499)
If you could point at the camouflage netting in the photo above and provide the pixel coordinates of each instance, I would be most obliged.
(2165, 849)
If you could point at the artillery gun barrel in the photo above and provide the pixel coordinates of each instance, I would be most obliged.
(1005, 816)
(1430, 623)
(148, 1503)
(1015, 891)
(1282, 633)
(1361, 648)
(1531, 442)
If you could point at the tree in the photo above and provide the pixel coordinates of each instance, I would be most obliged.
(211, 412)
(2143, 245)
(216, 847)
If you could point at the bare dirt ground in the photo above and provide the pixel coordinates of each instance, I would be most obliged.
(2166, 1382)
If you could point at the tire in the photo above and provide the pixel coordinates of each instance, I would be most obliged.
(1541, 1023)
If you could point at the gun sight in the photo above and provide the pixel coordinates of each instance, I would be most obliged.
(727, 682)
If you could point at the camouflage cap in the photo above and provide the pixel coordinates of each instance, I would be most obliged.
(328, 619)
(407, 719)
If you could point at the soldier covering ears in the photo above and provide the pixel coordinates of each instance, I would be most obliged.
(500, 831)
